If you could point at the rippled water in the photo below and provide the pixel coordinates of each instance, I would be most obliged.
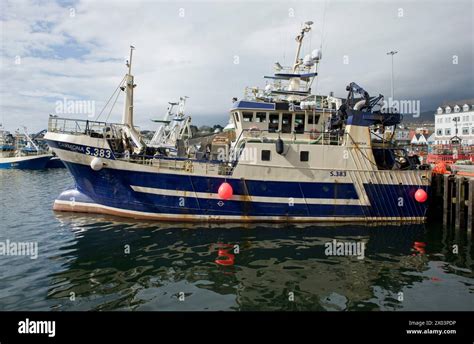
(82, 262)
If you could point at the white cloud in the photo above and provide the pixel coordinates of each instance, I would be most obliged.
(82, 56)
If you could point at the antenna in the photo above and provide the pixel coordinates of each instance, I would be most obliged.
(129, 62)
(299, 39)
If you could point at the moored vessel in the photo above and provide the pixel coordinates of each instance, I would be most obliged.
(21, 152)
(293, 156)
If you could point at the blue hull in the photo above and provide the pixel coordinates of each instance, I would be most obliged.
(112, 189)
(55, 163)
(35, 163)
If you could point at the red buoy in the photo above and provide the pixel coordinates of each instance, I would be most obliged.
(421, 195)
(225, 191)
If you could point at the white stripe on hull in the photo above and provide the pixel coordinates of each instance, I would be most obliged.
(283, 200)
(81, 207)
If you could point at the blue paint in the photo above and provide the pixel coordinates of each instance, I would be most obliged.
(35, 163)
(111, 187)
(244, 104)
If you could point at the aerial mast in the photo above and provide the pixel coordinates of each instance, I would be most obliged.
(127, 119)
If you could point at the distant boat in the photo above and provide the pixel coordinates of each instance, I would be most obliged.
(21, 152)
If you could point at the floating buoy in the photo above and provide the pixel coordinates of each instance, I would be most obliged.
(225, 191)
(421, 195)
(97, 164)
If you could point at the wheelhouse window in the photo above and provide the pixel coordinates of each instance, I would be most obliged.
(299, 124)
(247, 116)
(261, 117)
(236, 116)
(273, 122)
(304, 156)
(313, 119)
(265, 155)
(286, 123)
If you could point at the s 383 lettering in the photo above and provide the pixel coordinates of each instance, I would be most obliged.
(99, 152)
(337, 173)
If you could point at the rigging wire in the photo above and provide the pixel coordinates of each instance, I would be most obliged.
(108, 101)
(112, 107)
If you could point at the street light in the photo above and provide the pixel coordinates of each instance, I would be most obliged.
(392, 53)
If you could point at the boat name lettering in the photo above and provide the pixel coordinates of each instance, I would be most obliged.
(71, 147)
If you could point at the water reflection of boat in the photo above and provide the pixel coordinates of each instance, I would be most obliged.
(167, 259)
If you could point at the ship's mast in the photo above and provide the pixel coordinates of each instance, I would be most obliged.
(128, 109)
(127, 119)
(294, 84)
(299, 39)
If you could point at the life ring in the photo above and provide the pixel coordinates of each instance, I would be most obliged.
(314, 134)
(254, 132)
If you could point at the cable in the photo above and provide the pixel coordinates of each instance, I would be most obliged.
(108, 101)
(112, 107)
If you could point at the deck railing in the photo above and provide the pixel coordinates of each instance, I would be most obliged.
(81, 126)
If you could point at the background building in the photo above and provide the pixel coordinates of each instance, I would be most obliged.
(455, 119)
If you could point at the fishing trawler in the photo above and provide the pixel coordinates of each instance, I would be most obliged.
(21, 152)
(293, 156)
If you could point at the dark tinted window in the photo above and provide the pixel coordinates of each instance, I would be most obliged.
(273, 123)
(265, 155)
(261, 117)
(247, 116)
(286, 123)
(313, 119)
(299, 124)
(304, 156)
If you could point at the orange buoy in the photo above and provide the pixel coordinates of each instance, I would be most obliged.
(440, 168)
(225, 191)
(421, 195)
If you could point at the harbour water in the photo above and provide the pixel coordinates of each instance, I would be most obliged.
(92, 262)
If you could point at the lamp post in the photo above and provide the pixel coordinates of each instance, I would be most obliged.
(392, 53)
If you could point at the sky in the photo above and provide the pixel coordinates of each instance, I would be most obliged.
(53, 52)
